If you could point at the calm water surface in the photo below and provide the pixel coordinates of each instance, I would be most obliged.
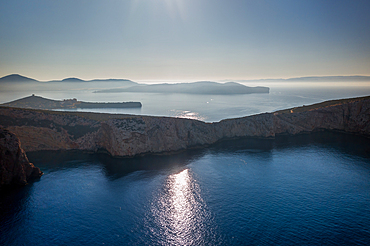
(303, 190)
(208, 108)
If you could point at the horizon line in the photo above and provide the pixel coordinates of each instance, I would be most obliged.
(191, 80)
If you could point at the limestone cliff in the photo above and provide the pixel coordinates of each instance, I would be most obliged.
(128, 135)
(15, 169)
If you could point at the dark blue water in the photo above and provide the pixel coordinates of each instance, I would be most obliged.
(303, 190)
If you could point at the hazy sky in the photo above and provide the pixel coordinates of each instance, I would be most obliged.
(184, 39)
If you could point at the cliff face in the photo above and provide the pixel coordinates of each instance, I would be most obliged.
(353, 116)
(127, 135)
(15, 169)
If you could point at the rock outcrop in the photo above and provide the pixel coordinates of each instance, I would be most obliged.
(128, 135)
(15, 169)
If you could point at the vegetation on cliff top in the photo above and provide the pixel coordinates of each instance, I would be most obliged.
(320, 105)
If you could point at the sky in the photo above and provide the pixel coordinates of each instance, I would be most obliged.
(184, 40)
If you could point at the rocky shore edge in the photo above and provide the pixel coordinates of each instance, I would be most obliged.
(131, 135)
(15, 169)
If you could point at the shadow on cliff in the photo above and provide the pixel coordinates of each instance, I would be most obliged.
(114, 168)
(348, 144)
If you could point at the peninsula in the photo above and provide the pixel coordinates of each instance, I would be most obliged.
(37, 102)
(130, 135)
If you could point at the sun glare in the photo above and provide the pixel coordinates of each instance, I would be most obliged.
(179, 212)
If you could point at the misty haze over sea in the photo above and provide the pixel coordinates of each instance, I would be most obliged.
(309, 189)
(209, 108)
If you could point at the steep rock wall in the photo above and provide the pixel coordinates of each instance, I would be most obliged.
(352, 116)
(15, 169)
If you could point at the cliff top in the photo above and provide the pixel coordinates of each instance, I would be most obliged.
(320, 105)
(85, 115)
(105, 116)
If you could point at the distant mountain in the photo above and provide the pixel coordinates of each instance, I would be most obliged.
(16, 78)
(123, 82)
(111, 80)
(72, 80)
(354, 78)
(203, 87)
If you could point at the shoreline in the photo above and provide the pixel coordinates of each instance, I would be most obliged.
(133, 135)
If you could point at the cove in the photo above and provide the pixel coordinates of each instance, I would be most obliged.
(306, 189)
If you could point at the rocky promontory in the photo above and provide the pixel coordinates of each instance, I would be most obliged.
(37, 102)
(15, 169)
(129, 135)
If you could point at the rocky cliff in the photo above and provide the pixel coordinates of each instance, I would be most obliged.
(15, 169)
(128, 135)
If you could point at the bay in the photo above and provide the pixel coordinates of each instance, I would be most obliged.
(306, 190)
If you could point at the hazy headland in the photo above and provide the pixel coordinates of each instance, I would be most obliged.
(37, 102)
(208, 107)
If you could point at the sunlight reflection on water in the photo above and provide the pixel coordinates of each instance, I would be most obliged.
(180, 214)
(187, 115)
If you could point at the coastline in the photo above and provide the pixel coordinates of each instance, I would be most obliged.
(131, 135)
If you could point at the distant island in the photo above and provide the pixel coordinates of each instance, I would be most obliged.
(330, 79)
(37, 102)
(202, 87)
(16, 78)
(125, 85)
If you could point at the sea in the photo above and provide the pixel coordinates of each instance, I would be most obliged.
(311, 189)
